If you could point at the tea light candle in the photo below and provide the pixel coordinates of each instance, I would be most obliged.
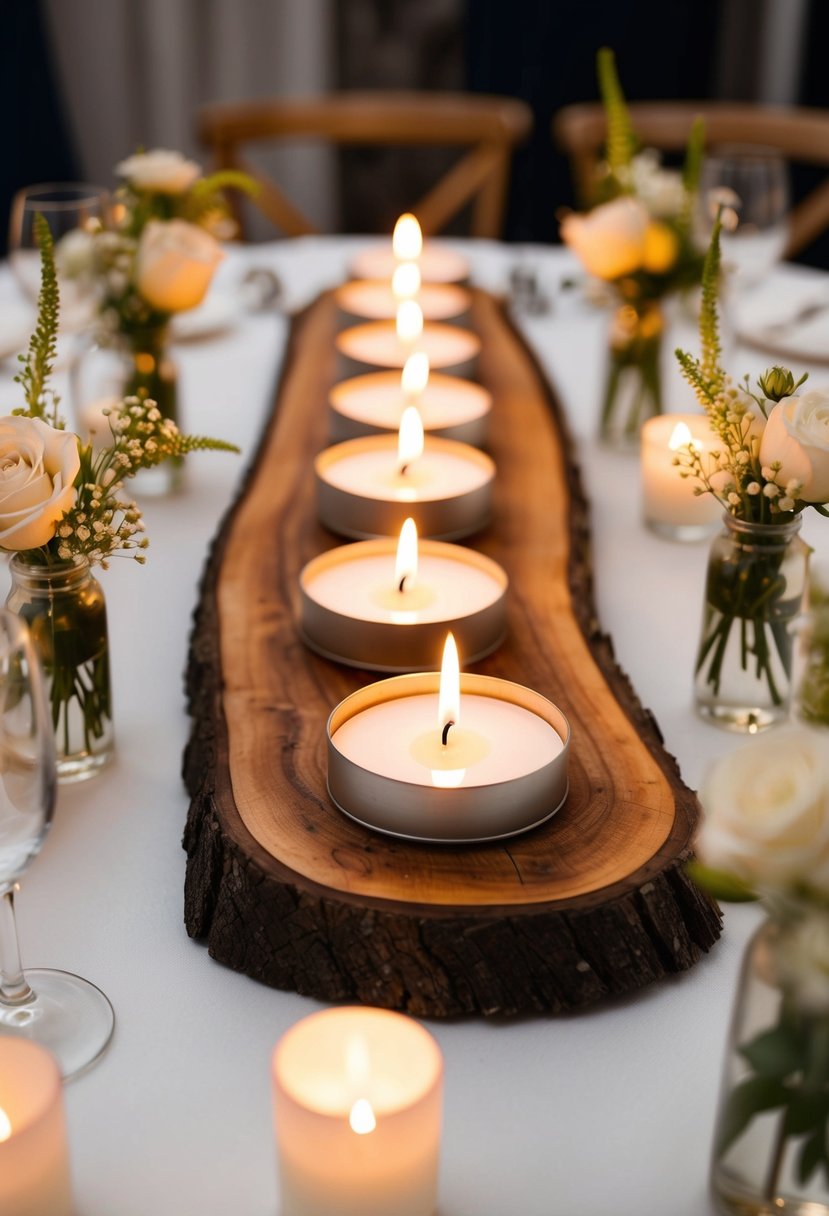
(357, 1110)
(390, 343)
(447, 758)
(365, 488)
(450, 407)
(34, 1160)
(435, 263)
(386, 605)
(671, 508)
(377, 300)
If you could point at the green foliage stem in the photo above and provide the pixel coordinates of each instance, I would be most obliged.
(40, 357)
(621, 140)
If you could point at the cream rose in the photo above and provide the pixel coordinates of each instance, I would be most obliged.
(797, 434)
(767, 813)
(38, 467)
(610, 240)
(174, 264)
(160, 170)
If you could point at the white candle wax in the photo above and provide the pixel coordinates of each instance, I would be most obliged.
(364, 1068)
(375, 300)
(377, 400)
(496, 741)
(377, 343)
(668, 499)
(34, 1160)
(443, 590)
(437, 474)
(437, 264)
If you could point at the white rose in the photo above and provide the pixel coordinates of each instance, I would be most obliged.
(797, 434)
(767, 813)
(802, 961)
(159, 170)
(75, 254)
(174, 264)
(38, 467)
(609, 241)
(661, 190)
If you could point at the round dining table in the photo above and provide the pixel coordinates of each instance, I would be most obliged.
(607, 1110)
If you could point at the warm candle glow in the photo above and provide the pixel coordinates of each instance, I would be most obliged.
(5, 1125)
(449, 697)
(415, 375)
(361, 1118)
(405, 282)
(409, 438)
(681, 437)
(407, 241)
(409, 322)
(405, 566)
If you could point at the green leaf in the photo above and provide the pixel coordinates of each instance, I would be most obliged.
(807, 1111)
(776, 1053)
(750, 1098)
(720, 883)
(812, 1155)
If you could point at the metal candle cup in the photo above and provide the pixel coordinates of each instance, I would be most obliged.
(445, 814)
(357, 498)
(374, 300)
(451, 408)
(399, 637)
(375, 344)
(437, 264)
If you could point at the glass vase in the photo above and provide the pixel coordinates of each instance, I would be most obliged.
(770, 1148)
(64, 607)
(633, 388)
(754, 592)
(128, 363)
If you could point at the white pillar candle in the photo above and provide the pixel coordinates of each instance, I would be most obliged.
(670, 506)
(376, 300)
(34, 1160)
(449, 406)
(376, 343)
(357, 1110)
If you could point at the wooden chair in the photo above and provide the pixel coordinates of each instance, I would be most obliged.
(801, 135)
(488, 126)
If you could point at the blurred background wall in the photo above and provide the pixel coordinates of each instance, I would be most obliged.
(90, 80)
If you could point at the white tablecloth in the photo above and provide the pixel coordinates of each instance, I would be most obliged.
(607, 1111)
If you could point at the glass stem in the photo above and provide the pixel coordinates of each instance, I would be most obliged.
(13, 987)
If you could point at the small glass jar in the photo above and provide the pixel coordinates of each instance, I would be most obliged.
(64, 607)
(770, 1154)
(754, 593)
(134, 363)
(633, 387)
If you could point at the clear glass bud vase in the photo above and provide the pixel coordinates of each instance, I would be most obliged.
(771, 1156)
(754, 593)
(133, 363)
(64, 607)
(633, 388)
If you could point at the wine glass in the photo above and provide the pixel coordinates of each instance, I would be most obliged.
(759, 178)
(60, 1011)
(68, 208)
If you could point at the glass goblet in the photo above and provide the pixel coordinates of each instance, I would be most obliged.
(759, 178)
(60, 1011)
(68, 208)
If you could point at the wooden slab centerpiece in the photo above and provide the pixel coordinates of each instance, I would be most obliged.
(288, 890)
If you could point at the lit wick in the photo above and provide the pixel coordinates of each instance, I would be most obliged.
(405, 566)
(449, 696)
(409, 439)
(444, 738)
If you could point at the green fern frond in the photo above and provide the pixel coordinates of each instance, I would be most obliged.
(208, 193)
(692, 372)
(621, 140)
(182, 444)
(40, 357)
(691, 170)
(709, 321)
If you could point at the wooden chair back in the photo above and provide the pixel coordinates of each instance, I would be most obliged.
(800, 135)
(489, 127)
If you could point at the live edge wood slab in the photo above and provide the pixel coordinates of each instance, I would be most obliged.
(286, 889)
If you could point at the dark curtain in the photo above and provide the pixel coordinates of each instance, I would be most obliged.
(35, 146)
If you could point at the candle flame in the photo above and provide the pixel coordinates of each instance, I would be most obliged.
(449, 698)
(5, 1126)
(415, 375)
(405, 282)
(409, 322)
(681, 437)
(405, 566)
(409, 438)
(361, 1118)
(407, 241)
